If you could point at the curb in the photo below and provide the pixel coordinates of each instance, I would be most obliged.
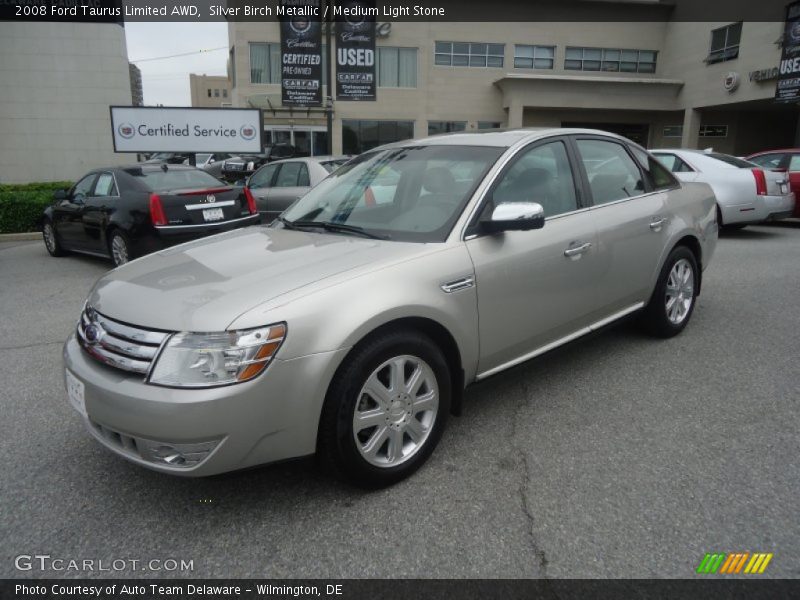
(20, 237)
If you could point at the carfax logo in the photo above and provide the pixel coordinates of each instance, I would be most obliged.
(734, 563)
(247, 132)
(126, 130)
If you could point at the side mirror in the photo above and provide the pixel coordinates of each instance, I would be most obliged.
(515, 216)
(60, 195)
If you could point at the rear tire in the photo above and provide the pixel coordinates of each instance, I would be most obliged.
(119, 248)
(672, 303)
(385, 410)
(51, 241)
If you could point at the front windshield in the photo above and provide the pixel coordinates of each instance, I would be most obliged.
(412, 193)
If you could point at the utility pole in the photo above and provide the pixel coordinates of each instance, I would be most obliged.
(329, 73)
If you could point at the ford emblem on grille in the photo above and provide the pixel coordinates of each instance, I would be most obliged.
(211, 198)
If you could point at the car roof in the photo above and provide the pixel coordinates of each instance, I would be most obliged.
(500, 138)
(776, 151)
(317, 159)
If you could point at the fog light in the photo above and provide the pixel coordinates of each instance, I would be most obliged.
(176, 455)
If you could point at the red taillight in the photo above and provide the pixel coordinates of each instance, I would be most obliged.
(761, 182)
(157, 216)
(251, 201)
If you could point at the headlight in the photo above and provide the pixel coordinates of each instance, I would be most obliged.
(212, 359)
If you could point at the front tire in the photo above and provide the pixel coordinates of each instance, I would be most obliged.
(386, 409)
(673, 300)
(119, 247)
(51, 241)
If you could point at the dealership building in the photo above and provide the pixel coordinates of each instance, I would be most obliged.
(661, 83)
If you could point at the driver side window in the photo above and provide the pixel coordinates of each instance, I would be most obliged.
(84, 186)
(543, 175)
(263, 177)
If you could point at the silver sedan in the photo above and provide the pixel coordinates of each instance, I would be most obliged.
(350, 327)
(745, 192)
(277, 185)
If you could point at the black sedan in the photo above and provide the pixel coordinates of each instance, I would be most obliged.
(125, 212)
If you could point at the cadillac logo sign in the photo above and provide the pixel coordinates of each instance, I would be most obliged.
(93, 333)
(211, 198)
(731, 81)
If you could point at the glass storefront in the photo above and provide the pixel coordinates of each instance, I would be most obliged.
(360, 136)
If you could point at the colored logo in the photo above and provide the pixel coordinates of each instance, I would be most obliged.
(300, 24)
(211, 198)
(734, 563)
(126, 130)
(93, 333)
(248, 132)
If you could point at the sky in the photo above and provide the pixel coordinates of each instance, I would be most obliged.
(167, 81)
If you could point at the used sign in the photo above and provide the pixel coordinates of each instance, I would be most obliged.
(788, 87)
(355, 50)
(157, 129)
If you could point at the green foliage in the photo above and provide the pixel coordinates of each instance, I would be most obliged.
(22, 205)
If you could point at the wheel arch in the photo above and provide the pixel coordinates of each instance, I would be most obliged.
(693, 244)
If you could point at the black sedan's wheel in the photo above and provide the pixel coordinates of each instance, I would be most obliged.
(51, 241)
(386, 409)
(119, 248)
(673, 300)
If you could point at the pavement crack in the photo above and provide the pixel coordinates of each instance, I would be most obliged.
(36, 345)
(525, 483)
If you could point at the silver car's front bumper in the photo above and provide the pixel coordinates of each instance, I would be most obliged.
(272, 418)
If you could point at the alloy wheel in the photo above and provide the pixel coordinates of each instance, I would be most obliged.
(680, 291)
(49, 238)
(395, 411)
(119, 250)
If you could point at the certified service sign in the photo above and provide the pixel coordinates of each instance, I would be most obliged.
(140, 129)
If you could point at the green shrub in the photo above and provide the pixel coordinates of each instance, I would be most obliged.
(21, 206)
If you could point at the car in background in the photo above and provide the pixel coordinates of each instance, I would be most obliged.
(211, 163)
(746, 193)
(350, 329)
(242, 166)
(125, 212)
(782, 161)
(274, 187)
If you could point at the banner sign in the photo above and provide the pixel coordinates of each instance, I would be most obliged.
(355, 49)
(788, 87)
(301, 53)
(157, 129)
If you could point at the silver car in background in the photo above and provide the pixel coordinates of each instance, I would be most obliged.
(745, 192)
(350, 327)
(277, 185)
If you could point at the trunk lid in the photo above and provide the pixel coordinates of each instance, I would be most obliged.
(198, 207)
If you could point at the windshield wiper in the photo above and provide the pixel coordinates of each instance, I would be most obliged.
(289, 224)
(337, 227)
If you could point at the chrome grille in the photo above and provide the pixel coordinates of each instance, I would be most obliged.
(119, 345)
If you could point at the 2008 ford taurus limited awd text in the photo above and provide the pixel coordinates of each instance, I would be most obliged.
(350, 327)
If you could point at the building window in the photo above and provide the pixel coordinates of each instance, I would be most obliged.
(209, 92)
(265, 63)
(216, 93)
(469, 54)
(610, 59)
(673, 131)
(225, 93)
(717, 131)
(534, 57)
(397, 67)
(360, 136)
(489, 124)
(436, 127)
(725, 43)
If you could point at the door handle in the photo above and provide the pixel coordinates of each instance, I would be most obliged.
(656, 224)
(577, 250)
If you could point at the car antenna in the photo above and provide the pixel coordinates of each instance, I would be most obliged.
(164, 167)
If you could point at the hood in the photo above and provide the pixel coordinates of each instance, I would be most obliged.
(204, 285)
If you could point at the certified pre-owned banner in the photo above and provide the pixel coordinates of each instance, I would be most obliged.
(788, 88)
(301, 53)
(140, 129)
(355, 49)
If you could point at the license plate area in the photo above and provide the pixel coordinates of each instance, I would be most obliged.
(75, 393)
(213, 214)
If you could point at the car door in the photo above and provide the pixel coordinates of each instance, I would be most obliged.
(793, 168)
(631, 216)
(535, 288)
(260, 185)
(291, 183)
(68, 213)
(97, 210)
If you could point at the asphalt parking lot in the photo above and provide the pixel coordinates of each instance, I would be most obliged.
(618, 456)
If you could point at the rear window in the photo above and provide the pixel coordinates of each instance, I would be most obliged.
(730, 160)
(177, 179)
(331, 165)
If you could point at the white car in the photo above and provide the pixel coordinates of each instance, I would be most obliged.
(745, 192)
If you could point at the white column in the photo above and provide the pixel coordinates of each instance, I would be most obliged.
(691, 128)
